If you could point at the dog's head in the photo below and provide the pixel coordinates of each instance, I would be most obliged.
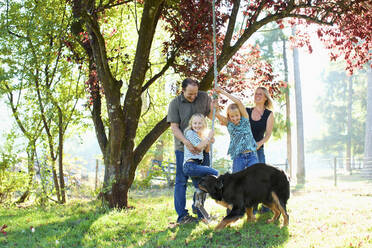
(212, 185)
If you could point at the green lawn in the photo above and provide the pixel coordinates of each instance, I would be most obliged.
(321, 215)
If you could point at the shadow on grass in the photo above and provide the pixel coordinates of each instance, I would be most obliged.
(68, 232)
(258, 234)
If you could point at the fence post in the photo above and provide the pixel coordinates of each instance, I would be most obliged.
(335, 170)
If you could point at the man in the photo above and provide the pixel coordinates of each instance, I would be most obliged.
(181, 108)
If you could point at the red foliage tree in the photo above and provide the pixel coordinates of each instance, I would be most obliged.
(189, 51)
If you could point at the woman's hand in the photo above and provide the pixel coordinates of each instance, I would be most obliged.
(259, 144)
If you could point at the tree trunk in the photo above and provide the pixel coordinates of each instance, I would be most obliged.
(31, 173)
(349, 124)
(299, 117)
(368, 133)
(287, 110)
(121, 157)
(60, 156)
(55, 180)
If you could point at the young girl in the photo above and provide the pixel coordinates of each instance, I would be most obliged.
(197, 165)
(242, 148)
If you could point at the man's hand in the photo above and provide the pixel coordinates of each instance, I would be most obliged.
(191, 148)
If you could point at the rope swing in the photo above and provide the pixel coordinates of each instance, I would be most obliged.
(200, 195)
(215, 75)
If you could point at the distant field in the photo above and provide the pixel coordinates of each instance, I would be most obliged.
(321, 215)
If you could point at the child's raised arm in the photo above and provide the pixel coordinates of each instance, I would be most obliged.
(237, 101)
(220, 117)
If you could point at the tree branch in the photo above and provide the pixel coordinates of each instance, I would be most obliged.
(169, 63)
(231, 25)
(148, 140)
(133, 102)
(312, 19)
(111, 5)
(15, 112)
(98, 123)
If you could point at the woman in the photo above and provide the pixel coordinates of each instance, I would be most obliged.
(261, 119)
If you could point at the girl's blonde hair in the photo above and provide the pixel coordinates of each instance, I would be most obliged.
(232, 107)
(197, 115)
(269, 102)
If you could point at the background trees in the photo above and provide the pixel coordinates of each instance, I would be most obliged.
(368, 126)
(343, 107)
(41, 85)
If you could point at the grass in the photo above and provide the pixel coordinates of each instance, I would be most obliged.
(321, 215)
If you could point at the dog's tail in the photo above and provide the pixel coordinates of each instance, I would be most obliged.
(280, 185)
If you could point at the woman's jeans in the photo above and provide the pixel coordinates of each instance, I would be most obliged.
(261, 155)
(244, 160)
(261, 159)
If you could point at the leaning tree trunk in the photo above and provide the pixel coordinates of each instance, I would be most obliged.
(60, 156)
(299, 117)
(368, 133)
(31, 172)
(55, 180)
(287, 110)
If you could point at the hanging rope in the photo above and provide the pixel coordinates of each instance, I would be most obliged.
(215, 74)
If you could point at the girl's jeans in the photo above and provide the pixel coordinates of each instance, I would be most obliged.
(244, 160)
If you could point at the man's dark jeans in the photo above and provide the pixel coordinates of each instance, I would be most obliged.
(181, 186)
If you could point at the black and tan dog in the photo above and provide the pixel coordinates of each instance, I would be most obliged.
(259, 183)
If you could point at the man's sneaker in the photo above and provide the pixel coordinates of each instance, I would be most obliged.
(187, 219)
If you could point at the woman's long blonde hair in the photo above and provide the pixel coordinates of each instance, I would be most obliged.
(269, 102)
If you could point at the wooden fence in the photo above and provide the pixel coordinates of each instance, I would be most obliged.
(165, 171)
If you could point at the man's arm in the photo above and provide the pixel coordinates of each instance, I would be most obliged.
(179, 135)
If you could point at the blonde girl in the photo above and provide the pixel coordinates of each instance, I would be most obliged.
(197, 165)
(242, 148)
